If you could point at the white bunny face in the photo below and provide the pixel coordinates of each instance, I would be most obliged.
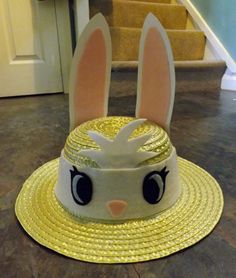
(118, 194)
(121, 177)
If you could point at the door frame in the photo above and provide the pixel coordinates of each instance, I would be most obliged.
(64, 40)
(81, 15)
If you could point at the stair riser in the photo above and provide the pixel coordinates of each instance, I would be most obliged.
(132, 14)
(186, 45)
(125, 83)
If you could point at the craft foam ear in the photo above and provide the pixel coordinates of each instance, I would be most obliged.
(90, 73)
(156, 74)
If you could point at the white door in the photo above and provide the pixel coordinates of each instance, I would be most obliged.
(29, 51)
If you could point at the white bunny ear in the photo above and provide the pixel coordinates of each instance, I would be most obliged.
(90, 73)
(156, 74)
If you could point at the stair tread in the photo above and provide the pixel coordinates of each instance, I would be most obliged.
(132, 13)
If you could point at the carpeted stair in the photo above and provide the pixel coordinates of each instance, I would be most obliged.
(125, 42)
(126, 17)
(123, 13)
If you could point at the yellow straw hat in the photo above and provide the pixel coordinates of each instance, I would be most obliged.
(119, 193)
(192, 217)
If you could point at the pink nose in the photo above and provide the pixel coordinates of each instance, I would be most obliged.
(116, 207)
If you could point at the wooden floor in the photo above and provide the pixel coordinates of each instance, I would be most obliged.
(33, 130)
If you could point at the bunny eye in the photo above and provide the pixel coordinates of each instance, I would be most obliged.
(81, 187)
(154, 186)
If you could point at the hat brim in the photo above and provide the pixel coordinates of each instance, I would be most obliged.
(192, 218)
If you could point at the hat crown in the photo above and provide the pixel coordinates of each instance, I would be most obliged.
(156, 148)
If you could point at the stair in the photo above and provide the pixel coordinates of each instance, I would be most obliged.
(125, 13)
(125, 18)
(122, 37)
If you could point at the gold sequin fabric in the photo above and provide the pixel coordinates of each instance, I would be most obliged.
(192, 218)
(78, 139)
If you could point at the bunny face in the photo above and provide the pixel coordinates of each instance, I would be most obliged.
(119, 194)
(107, 192)
(106, 172)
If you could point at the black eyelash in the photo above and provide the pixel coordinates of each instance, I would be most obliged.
(74, 172)
(163, 173)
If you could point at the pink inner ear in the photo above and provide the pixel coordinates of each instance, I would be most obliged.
(156, 83)
(90, 86)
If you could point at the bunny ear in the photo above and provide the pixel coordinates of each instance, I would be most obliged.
(156, 75)
(90, 73)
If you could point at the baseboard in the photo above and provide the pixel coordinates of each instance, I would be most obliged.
(229, 79)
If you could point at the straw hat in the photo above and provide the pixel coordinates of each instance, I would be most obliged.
(119, 193)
